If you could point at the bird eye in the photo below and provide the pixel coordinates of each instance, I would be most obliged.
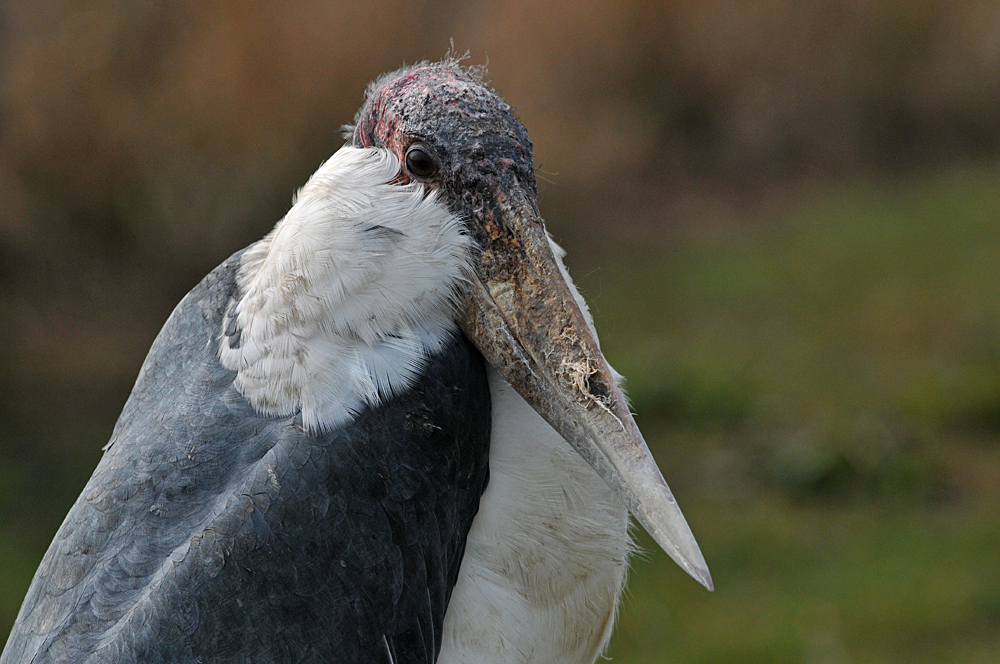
(420, 163)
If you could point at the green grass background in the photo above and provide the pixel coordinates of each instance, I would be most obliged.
(823, 394)
(821, 387)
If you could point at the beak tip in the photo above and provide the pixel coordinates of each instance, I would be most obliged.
(695, 565)
(678, 542)
(704, 577)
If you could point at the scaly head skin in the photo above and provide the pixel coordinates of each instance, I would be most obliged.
(452, 133)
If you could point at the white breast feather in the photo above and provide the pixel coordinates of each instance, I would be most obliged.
(547, 555)
(342, 303)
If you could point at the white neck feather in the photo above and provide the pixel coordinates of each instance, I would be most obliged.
(341, 304)
(546, 558)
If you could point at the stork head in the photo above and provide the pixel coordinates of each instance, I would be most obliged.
(450, 132)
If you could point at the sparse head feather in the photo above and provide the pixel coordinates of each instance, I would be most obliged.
(383, 110)
(473, 132)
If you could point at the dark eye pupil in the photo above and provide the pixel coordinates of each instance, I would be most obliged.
(419, 163)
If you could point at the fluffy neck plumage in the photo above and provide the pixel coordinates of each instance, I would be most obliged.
(342, 303)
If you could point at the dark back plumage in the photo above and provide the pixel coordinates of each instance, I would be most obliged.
(210, 533)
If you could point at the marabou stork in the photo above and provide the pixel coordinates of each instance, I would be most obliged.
(383, 433)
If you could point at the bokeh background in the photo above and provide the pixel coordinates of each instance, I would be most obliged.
(786, 216)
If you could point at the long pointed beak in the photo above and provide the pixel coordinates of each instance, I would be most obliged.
(524, 318)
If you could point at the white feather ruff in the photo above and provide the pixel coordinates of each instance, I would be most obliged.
(342, 303)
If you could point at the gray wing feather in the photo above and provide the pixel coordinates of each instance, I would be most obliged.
(210, 533)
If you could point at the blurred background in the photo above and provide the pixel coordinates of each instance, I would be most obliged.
(785, 214)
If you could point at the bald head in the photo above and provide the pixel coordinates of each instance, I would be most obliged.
(466, 128)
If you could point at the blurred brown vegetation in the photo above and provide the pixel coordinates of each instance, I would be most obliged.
(142, 142)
